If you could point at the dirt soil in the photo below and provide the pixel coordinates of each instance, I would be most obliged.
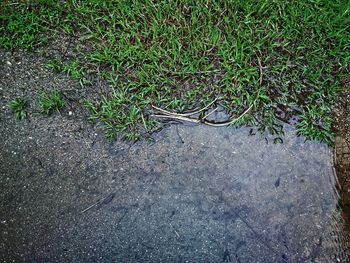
(342, 146)
(190, 194)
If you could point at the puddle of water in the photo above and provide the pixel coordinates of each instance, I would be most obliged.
(279, 200)
(196, 194)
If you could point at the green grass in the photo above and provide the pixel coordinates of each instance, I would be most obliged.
(72, 68)
(18, 106)
(119, 116)
(50, 102)
(181, 55)
(26, 24)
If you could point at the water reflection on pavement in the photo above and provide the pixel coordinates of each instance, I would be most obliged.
(194, 194)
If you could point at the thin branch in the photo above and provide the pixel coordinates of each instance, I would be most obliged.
(230, 121)
(176, 117)
(185, 114)
(203, 120)
(210, 113)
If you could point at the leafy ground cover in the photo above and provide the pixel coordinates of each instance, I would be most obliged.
(265, 62)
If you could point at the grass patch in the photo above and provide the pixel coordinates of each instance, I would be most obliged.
(181, 55)
(50, 102)
(26, 24)
(72, 68)
(120, 117)
(18, 106)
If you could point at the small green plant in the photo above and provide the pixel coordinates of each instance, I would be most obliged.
(51, 101)
(76, 71)
(118, 120)
(55, 65)
(73, 69)
(18, 106)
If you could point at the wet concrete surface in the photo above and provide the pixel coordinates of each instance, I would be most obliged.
(193, 194)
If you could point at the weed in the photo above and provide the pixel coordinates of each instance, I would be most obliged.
(55, 65)
(315, 124)
(76, 71)
(18, 106)
(118, 118)
(51, 101)
(72, 68)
